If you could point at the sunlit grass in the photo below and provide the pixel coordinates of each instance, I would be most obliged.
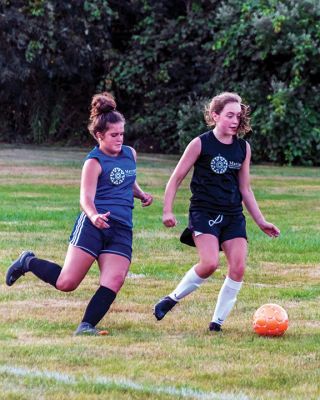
(39, 202)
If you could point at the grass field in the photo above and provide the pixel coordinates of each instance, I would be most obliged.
(141, 358)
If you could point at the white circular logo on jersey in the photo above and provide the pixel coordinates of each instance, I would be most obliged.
(219, 165)
(117, 176)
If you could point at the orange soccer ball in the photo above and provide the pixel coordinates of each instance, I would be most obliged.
(270, 320)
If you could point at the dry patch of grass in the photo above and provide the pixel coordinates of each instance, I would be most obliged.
(308, 271)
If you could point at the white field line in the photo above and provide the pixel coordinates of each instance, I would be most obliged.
(121, 384)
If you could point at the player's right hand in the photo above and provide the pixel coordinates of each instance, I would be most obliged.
(169, 220)
(100, 220)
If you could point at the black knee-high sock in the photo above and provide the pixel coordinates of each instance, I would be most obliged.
(99, 305)
(45, 270)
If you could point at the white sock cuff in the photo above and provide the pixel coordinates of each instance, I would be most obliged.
(233, 284)
(197, 279)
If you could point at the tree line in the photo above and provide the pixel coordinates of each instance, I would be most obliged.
(163, 60)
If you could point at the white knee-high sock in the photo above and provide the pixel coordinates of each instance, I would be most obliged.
(190, 282)
(226, 300)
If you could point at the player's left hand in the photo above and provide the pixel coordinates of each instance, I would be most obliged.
(269, 229)
(146, 200)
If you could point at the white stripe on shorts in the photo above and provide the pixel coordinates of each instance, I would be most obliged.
(78, 229)
(115, 252)
(87, 251)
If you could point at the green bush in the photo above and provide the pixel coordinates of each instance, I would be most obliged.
(191, 121)
(51, 58)
(271, 49)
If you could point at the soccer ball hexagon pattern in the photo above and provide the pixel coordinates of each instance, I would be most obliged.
(270, 320)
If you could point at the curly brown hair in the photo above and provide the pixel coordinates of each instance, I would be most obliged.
(102, 113)
(218, 103)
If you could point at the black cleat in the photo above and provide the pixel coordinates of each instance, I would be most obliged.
(18, 268)
(163, 306)
(215, 327)
(86, 329)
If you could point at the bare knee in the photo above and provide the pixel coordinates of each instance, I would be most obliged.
(206, 268)
(66, 285)
(237, 273)
(114, 282)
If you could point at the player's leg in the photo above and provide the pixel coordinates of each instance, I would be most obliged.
(114, 261)
(76, 265)
(113, 271)
(82, 251)
(236, 252)
(208, 250)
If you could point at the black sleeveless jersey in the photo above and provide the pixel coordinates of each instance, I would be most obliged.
(214, 184)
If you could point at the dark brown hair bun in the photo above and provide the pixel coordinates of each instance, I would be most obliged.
(102, 103)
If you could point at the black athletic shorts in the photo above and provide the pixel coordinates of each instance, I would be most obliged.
(224, 227)
(115, 240)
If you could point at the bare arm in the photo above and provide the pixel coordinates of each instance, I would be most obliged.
(146, 198)
(186, 162)
(249, 199)
(89, 179)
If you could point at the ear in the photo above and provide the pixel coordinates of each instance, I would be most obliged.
(99, 136)
(215, 116)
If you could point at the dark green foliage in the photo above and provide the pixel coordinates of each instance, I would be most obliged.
(272, 51)
(190, 121)
(162, 60)
(166, 61)
(51, 55)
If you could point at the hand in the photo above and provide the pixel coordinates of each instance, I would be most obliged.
(100, 220)
(269, 229)
(169, 220)
(146, 200)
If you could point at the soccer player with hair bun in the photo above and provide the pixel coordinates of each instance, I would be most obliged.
(219, 185)
(103, 230)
